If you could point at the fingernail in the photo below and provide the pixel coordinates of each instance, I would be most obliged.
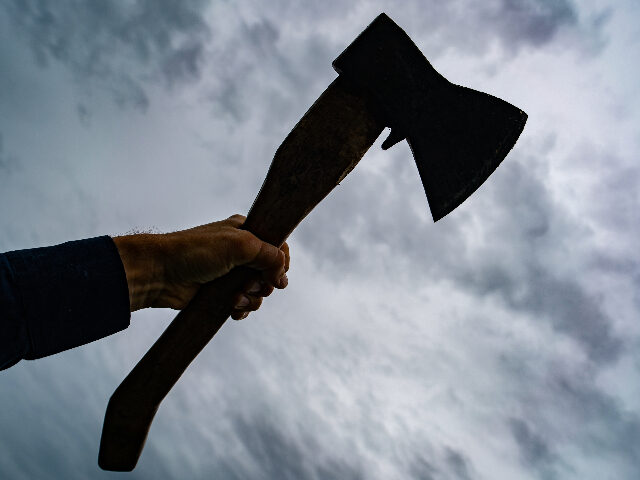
(242, 317)
(243, 302)
(255, 287)
(284, 281)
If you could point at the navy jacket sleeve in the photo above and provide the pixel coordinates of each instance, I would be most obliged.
(60, 297)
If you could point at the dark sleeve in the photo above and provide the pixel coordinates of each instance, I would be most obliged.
(60, 297)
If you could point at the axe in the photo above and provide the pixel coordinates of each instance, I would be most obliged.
(458, 137)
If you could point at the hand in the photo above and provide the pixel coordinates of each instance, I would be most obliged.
(166, 270)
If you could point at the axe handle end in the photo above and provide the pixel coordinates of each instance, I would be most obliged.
(134, 403)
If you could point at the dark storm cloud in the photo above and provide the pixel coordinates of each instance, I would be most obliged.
(450, 465)
(4, 161)
(534, 450)
(609, 428)
(8, 162)
(532, 21)
(260, 73)
(564, 406)
(118, 46)
(614, 208)
(268, 69)
(279, 456)
(591, 420)
(422, 469)
(529, 282)
(84, 115)
(519, 23)
(123, 48)
(511, 259)
(560, 301)
(266, 60)
(458, 464)
(465, 25)
(183, 64)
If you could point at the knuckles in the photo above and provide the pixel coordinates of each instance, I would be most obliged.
(244, 245)
(236, 219)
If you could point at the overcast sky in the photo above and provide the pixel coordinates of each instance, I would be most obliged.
(501, 342)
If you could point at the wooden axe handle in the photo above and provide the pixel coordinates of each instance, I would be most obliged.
(320, 151)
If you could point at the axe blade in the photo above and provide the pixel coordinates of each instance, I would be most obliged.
(462, 142)
(458, 136)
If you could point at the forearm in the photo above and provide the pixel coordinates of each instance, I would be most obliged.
(63, 296)
(59, 297)
(139, 254)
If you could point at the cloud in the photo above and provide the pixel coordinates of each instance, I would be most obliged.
(480, 248)
(274, 455)
(458, 464)
(568, 412)
(516, 260)
(565, 422)
(127, 49)
(534, 451)
(119, 47)
(2, 153)
(450, 464)
(475, 28)
(533, 23)
(473, 348)
(8, 163)
(606, 425)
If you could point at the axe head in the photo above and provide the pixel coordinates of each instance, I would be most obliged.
(458, 136)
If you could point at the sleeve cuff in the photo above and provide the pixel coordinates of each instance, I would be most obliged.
(71, 294)
(14, 340)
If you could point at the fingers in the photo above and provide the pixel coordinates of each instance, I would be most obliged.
(236, 220)
(196, 256)
(244, 304)
(250, 299)
(267, 259)
(285, 249)
(259, 288)
(272, 263)
(239, 315)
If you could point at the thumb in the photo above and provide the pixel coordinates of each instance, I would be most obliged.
(269, 260)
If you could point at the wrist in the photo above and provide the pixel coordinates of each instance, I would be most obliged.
(139, 255)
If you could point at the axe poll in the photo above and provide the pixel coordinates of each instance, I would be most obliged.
(458, 137)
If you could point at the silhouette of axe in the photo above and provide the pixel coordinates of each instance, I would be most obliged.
(458, 137)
